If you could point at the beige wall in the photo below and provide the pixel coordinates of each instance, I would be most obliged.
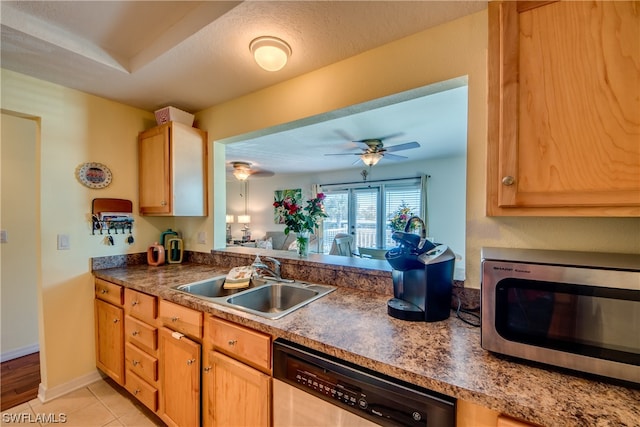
(74, 128)
(451, 50)
(19, 279)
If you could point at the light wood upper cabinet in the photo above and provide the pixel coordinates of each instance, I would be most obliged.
(564, 109)
(173, 171)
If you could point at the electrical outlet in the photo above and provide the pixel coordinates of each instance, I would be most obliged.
(63, 242)
(202, 237)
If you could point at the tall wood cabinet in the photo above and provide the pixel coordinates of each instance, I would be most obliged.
(564, 108)
(173, 170)
(109, 322)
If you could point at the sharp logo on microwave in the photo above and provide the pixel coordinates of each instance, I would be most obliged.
(511, 269)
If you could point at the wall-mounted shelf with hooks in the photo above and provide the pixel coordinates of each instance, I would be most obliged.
(112, 216)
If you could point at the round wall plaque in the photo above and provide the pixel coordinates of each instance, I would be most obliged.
(94, 175)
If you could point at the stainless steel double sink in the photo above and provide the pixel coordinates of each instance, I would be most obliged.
(270, 299)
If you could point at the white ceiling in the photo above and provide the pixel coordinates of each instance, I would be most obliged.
(192, 55)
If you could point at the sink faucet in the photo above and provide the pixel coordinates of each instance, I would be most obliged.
(263, 270)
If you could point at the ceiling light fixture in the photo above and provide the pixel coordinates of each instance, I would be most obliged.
(271, 53)
(241, 170)
(371, 159)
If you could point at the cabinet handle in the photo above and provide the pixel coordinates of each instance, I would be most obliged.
(175, 319)
(134, 333)
(207, 369)
(233, 342)
(136, 392)
(190, 361)
(134, 362)
(104, 291)
(134, 302)
(116, 320)
(508, 180)
(163, 203)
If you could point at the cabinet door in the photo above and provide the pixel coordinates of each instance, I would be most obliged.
(154, 171)
(179, 379)
(110, 340)
(564, 110)
(239, 395)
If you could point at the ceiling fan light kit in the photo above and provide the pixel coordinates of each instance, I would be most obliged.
(371, 159)
(241, 170)
(271, 53)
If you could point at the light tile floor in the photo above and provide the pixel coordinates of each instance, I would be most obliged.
(99, 404)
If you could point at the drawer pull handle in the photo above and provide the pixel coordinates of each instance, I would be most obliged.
(134, 302)
(175, 319)
(508, 180)
(207, 369)
(134, 333)
(115, 320)
(233, 342)
(134, 362)
(104, 291)
(190, 361)
(136, 391)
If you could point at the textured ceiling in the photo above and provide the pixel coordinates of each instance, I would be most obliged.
(194, 54)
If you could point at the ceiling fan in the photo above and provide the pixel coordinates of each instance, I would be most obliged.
(243, 170)
(375, 150)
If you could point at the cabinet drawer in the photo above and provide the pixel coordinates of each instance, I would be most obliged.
(143, 364)
(144, 392)
(252, 347)
(140, 305)
(140, 333)
(109, 292)
(181, 319)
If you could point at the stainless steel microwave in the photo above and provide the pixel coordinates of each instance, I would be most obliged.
(576, 310)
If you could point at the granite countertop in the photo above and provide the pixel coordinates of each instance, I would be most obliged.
(444, 356)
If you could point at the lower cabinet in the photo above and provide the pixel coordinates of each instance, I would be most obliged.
(471, 415)
(109, 341)
(236, 376)
(179, 379)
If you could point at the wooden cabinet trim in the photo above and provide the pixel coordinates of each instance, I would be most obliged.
(247, 345)
(109, 339)
(181, 319)
(504, 114)
(109, 292)
(142, 391)
(143, 335)
(180, 373)
(143, 364)
(140, 305)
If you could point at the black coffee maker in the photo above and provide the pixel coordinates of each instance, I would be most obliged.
(422, 277)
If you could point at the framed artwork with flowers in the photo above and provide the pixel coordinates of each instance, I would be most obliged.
(278, 211)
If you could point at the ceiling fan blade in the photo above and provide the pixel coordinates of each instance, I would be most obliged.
(261, 174)
(393, 157)
(405, 146)
(343, 154)
(344, 135)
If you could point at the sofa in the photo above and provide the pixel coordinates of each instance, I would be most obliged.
(278, 241)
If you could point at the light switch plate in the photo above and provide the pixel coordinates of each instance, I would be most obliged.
(202, 237)
(63, 242)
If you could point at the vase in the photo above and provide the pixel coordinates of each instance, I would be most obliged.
(303, 243)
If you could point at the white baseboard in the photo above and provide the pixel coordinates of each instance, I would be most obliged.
(19, 352)
(47, 394)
